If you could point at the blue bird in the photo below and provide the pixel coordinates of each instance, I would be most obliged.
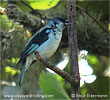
(45, 41)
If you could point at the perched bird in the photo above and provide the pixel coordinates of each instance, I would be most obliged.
(45, 41)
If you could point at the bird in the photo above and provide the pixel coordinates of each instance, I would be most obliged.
(45, 41)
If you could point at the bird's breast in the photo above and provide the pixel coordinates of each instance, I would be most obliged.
(48, 48)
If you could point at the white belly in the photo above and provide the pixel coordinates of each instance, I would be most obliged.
(49, 47)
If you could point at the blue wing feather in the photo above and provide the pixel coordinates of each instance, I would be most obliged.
(35, 42)
(31, 49)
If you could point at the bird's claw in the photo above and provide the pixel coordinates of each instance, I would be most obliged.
(53, 64)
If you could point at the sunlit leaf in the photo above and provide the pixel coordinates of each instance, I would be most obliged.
(38, 4)
(44, 4)
(60, 79)
(7, 69)
(17, 59)
(51, 86)
(92, 59)
(13, 60)
(13, 72)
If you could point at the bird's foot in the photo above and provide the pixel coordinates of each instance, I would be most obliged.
(53, 64)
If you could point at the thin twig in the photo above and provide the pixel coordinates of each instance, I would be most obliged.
(97, 21)
(88, 5)
(34, 11)
(54, 68)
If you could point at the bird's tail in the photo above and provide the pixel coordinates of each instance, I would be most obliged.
(22, 73)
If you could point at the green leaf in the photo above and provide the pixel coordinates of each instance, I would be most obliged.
(5, 24)
(101, 86)
(92, 59)
(13, 72)
(7, 69)
(94, 62)
(13, 60)
(44, 4)
(51, 86)
(38, 4)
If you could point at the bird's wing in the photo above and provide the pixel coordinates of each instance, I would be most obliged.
(37, 40)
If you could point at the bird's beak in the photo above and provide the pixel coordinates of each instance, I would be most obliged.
(66, 22)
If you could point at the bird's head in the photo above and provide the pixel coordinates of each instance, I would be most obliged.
(57, 22)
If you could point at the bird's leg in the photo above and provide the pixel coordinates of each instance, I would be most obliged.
(53, 64)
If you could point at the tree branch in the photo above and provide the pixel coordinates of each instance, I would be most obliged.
(73, 46)
(54, 68)
(98, 22)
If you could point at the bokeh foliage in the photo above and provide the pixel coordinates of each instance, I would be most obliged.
(14, 37)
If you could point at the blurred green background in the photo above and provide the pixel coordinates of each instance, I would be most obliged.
(93, 44)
